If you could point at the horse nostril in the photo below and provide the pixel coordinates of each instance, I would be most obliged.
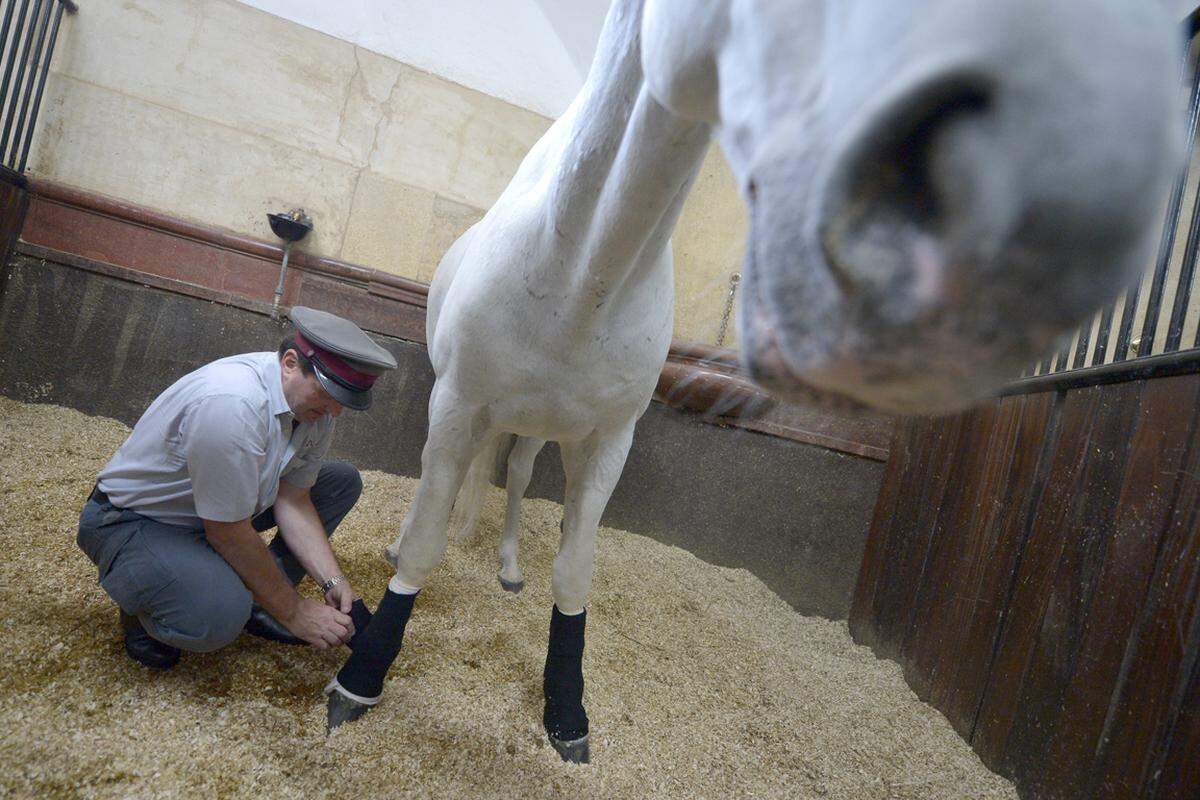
(751, 190)
(895, 195)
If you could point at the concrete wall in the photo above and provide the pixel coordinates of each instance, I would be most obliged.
(220, 113)
(532, 53)
(795, 515)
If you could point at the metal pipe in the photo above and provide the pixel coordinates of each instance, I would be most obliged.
(12, 53)
(287, 249)
(35, 64)
(20, 78)
(1183, 362)
(37, 101)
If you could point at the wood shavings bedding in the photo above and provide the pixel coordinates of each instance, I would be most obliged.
(700, 681)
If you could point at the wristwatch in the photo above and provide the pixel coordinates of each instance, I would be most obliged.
(328, 585)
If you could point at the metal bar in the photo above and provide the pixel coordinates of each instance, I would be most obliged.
(1131, 300)
(1182, 362)
(34, 63)
(8, 15)
(12, 53)
(1081, 344)
(1183, 290)
(20, 79)
(1101, 348)
(37, 101)
(1060, 360)
(1167, 242)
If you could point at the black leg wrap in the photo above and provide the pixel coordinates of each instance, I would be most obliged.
(562, 680)
(360, 615)
(377, 646)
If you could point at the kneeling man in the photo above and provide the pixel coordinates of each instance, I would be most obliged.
(232, 449)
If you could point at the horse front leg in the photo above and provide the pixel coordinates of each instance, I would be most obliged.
(456, 432)
(592, 467)
(520, 470)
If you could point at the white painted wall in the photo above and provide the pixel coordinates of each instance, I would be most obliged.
(532, 53)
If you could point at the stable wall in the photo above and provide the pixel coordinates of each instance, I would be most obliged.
(794, 514)
(219, 113)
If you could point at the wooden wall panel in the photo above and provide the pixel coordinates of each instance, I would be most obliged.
(982, 587)
(1132, 532)
(1035, 568)
(1035, 573)
(908, 537)
(1180, 776)
(886, 505)
(1161, 655)
(935, 600)
(966, 598)
(1040, 722)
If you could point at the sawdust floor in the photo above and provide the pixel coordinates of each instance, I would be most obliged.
(700, 681)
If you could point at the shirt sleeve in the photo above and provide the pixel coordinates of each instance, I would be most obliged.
(303, 469)
(225, 452)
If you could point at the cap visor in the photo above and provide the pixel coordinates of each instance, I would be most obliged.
(358, 401)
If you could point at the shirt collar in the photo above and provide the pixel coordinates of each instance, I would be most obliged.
(279, 404)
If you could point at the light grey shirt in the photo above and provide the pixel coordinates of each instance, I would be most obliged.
(215, 446)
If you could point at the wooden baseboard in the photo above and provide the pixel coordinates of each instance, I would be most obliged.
(86, 230)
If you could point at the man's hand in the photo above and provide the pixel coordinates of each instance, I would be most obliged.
(320, 625)
(341, 597)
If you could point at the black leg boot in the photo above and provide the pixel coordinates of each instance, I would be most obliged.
(562, 682)
(144, 648)
(359, 683)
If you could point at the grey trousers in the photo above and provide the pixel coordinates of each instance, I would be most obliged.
(168, 576)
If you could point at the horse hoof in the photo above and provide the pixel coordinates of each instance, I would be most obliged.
(511, 586)
(573, 752)
(342, 709)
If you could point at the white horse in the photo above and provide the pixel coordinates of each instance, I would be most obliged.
(937, 190)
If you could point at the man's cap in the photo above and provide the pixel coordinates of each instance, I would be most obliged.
(346, 361)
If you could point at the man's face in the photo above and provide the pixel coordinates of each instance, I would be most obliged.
(305, 396)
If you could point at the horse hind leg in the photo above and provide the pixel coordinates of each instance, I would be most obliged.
(465, 514)
(520, 470)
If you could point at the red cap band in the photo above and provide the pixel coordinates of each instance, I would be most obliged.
(330, 362)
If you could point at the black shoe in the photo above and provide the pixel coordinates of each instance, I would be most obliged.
(144, 648)
(264, 626)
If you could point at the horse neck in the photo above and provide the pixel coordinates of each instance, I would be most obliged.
(624, 169)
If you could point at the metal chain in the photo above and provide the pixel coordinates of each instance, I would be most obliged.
(734, 279)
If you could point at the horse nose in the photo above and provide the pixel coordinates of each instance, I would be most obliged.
(957, 172)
